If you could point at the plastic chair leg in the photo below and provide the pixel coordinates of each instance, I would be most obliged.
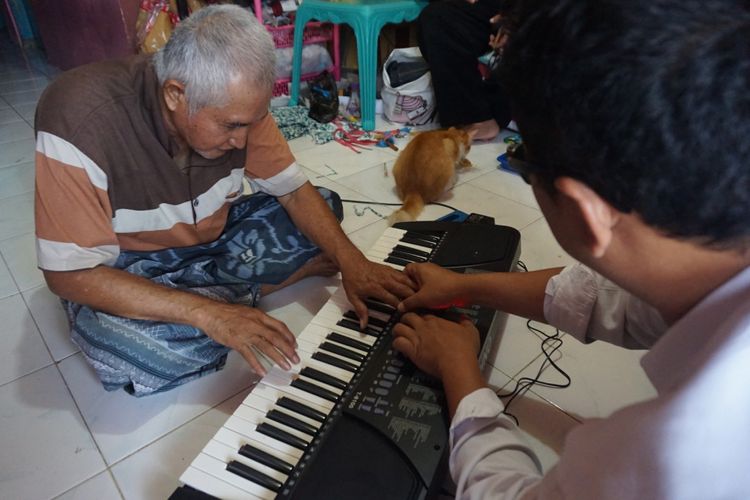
(367, 33)
(299, 27)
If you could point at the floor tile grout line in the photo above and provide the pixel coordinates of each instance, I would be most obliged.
(514, 378)
(338, 178)
(501, 196)
(32, 372)
(38, 328)
(540, 356)
(159, 438)
(107, 470)
(16, 194)
(3, 239)
(86, 425)
(10, 273)
(20, 163)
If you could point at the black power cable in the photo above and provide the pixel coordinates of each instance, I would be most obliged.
(550, 345)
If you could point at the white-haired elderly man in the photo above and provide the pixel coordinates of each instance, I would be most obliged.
(142, 225)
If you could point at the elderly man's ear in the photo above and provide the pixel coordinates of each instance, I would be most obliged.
(174, 94)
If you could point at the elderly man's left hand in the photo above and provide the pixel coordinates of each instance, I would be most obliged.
(364, 279)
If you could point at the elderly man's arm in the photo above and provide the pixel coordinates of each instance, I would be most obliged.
(123, 294)
(361, 277)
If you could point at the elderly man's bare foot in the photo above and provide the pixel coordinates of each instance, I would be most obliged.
(320, 265)
(484, 131)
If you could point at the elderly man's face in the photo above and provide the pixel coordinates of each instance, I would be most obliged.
(212, 131)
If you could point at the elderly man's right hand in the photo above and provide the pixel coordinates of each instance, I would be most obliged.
(246, 329)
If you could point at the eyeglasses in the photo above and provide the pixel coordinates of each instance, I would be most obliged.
(517, 162)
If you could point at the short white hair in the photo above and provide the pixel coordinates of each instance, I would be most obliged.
(213, 46)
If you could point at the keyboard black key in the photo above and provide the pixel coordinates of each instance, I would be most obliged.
(411, 251)
(253, 475)
(290, 421)
(370, 320)
(281, 435)
(306, 386)
(426, 235)
(354, 325)
(334, 361)
(380, 307)
(396, 260)
(343, 339)
(342, 351)
(323, 377)
(406, 256)
(419, 242)
(302, 409)
(266, 459)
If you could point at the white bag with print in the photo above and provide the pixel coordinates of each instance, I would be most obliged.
(411, 103)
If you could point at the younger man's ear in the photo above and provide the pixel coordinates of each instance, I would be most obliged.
(597, 217)
(174, 94)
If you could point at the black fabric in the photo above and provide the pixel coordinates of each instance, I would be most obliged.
(324, 98)
(452, 35)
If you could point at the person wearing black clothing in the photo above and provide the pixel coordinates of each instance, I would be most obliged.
(452, 35)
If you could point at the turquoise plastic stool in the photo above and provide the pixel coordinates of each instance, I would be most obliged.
(367, 18)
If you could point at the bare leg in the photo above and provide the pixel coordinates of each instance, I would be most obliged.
(484, 131)
(320, 265)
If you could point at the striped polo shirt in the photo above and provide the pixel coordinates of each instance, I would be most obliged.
(106, 178)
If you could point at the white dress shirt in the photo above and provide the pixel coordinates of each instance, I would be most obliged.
(692, 441)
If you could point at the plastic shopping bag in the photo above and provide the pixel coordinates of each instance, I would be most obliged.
(324, 99)
(407, 92)
(154, 25)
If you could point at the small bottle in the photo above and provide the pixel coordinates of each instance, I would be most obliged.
(352, 109)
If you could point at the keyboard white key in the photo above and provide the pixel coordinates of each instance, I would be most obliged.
(226, 454)
(239, 426)
(213, 485)
(272, 394)
(235, 440)
(265, 406)
(218, 469)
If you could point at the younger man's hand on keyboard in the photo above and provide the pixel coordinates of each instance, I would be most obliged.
(437, 288)
(443, 349)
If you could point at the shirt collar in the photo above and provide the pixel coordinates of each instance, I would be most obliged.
(694, 340)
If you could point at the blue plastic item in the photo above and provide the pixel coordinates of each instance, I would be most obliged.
(503, 159)
(367, 18)
(455, 216)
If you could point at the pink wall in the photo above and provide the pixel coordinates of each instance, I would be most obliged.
(76, 32)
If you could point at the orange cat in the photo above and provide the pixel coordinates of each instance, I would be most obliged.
(427, 168)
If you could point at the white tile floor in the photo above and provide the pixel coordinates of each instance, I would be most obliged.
(63, 436)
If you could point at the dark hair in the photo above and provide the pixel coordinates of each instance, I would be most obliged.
(646, 101)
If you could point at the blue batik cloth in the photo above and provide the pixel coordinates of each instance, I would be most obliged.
(260, 245)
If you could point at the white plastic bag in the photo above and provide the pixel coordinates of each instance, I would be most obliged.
(412, 103)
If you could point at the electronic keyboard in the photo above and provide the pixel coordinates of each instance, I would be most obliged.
(355, 419)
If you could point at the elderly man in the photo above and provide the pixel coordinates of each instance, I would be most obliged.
(636, 123)
(143, 225)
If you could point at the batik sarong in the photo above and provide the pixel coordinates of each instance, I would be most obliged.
(260, 245)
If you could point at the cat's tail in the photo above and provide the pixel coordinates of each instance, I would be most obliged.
(409, 211)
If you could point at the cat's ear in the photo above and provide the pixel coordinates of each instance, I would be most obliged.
(471, 133)
(451, 128)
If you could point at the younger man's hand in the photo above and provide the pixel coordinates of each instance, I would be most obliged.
(437, 346)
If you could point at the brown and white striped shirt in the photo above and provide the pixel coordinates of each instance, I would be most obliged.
(106, 179)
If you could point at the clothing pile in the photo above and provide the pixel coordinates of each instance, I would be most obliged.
(294, 122)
